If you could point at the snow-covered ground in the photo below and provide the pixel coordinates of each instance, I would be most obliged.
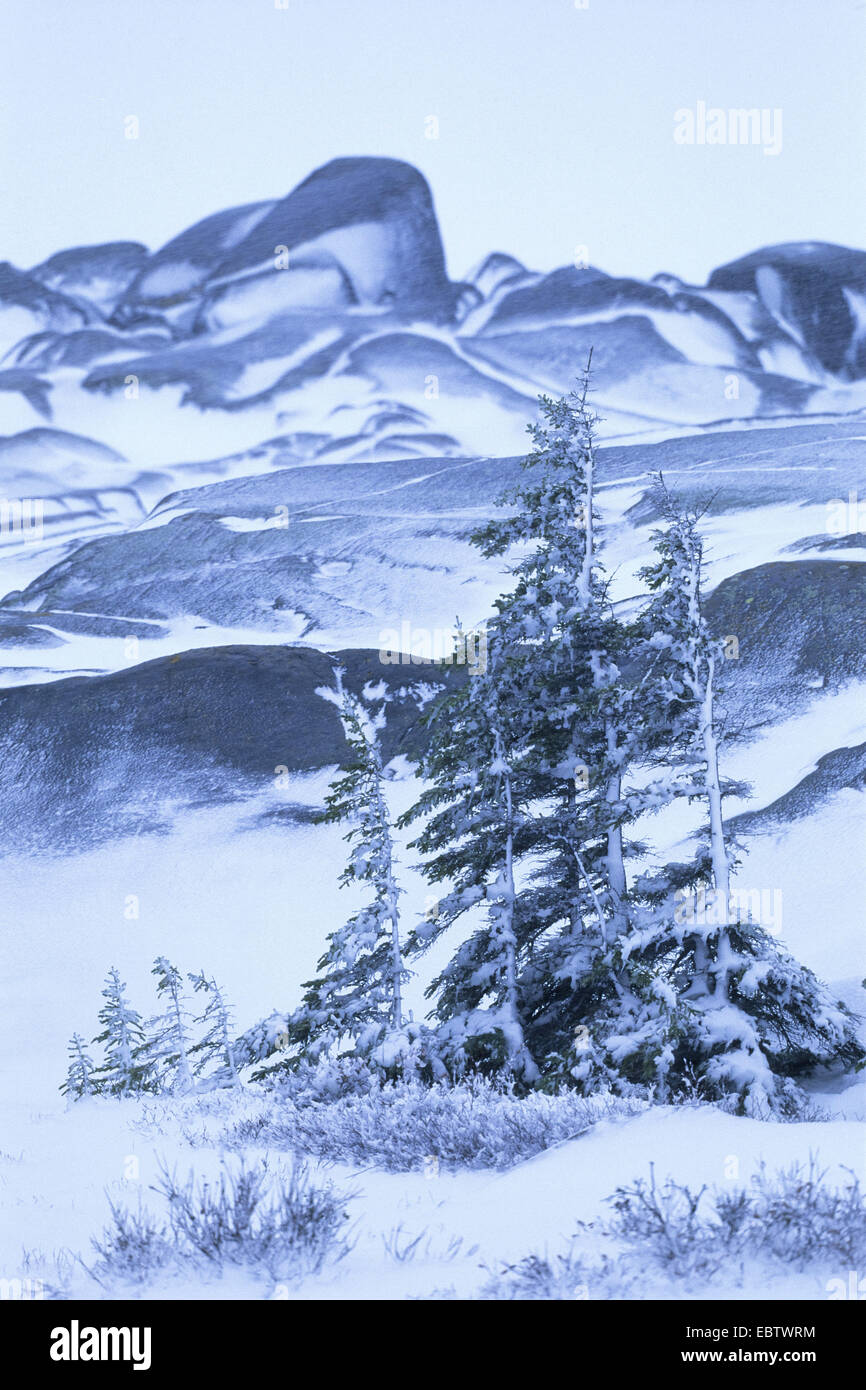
(218, 894)
(60, 1170)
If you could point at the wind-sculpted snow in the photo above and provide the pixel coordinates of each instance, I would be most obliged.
(337, 553)
(59, 487)
(34, 391)
(89, 758)
(842, 770)
(800, 629)
(27, 306)
(364, 555)
(347, 550)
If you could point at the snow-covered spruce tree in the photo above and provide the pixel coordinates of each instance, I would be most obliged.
(80, 1076)
(263, 1040)
(169, 1043)
(125, 1069)
(212, 1058)
(572, 715)
(749, 1017)
(474, 834)
(357, 996)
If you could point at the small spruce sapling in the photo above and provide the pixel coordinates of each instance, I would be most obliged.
(125, 1069)
(212, 1057)
(169, 1044)
(81, 1074)
(357, 995)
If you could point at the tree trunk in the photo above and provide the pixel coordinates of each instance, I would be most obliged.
(718, 852)
(509, 940)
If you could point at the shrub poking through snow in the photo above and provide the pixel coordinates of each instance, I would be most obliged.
(406, 1126)
(134, 1248)
(552, 1278)
(791, 1217)
(666, 1232)
(281, 1223)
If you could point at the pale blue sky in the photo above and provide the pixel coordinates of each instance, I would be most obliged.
(555, 122)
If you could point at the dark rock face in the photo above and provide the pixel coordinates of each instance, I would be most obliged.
(620, 350)
(91, 758)
(313, 436)
(88, 759)
(815, 288)
(98, 273)
(800, 628)
(359, 231)
(185, 262)
(49, 308)
(54, 449)
(34, 388)
(399, 257)
(569, 291)
(342, 285)
(352, 543)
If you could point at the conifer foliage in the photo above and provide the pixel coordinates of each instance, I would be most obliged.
(213, 1054)
(125, 1067)
(540, 771)
(356, 999)
(556, 631)
(169, 1044)
(164, 1054)
(751, 1017)
(80, 1074)
(476, 831)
